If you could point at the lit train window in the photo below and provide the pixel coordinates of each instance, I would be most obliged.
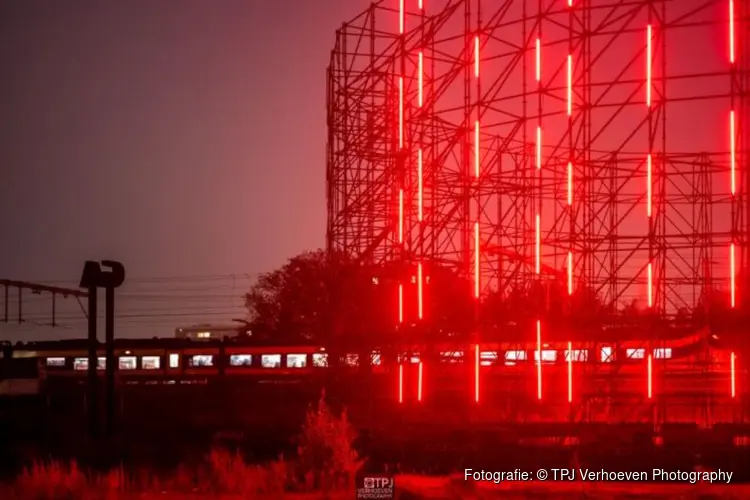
(101, 363)
(607, 355)
(578, 355)
(663, 353)
(81, 364)
(548, 356)
(270, 361)
(296, 360)
(150, 362)
(174, 360)
(351, 360)
(56, 362)
(452, 356)
(320, 359)
(241, 360)
(201, 360)
(413, 359)
(488, 358)
(126, 363)
(515, 355)
(635, 353)
(375, 358)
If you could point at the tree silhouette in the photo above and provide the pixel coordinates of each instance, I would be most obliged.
(332, 299)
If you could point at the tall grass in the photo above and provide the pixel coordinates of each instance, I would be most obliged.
(326, 460)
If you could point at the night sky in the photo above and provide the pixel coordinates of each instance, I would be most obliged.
(187, 138)
(183, 138)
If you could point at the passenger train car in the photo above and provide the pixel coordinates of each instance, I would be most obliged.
(181, 358)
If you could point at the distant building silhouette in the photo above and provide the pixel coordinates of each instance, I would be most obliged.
(209, 332)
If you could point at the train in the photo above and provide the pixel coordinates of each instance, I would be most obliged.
(172, 358)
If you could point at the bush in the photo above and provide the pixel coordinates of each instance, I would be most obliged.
(326, 461)
(52, 480)
(326, 455)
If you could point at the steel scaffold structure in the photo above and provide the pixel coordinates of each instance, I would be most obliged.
(599, 145)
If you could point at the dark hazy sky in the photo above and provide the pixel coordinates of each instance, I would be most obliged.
(186, 139)
(182, 138)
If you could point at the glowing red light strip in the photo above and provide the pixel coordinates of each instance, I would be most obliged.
(570, 183)
(539, 359)
(570, 84)
(539, 147)
(420, 77)
(538, 245)
(476, 373)
(731, 32)
(476, 149)
(649, 188)
(650, 376)
(538, 60)
(476, 260)
(476, 56)
(732, 274)
(570, 3)
(400, 215)
(419, 290)
(420, 186)
(570, 273)
(732, 374)
(401, 16)
(570, 372)
(733, 151)
(419, 383)
(421, 4)
(400, 383)
(648, 65)
(400, 303)
(401, 112)
(650, 286)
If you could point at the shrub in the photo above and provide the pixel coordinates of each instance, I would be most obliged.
(326, 455)
(51, 479)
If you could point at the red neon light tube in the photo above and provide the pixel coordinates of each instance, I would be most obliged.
(732, 374)
(420, 77)
(538, 244)
(477, 271)
(539, 359)
(650, 286)
(538, 60)
(419, 383)
(401, 112)
(649, 57)
(570, 85)
(570, 184)
(539, 148)
(476, 149)
(476, 56)
(420, 185)
(731, 32)
(733, 151)
(401, 17)
(401, 216)
(476, 373)
(649, 188)
(650, 376)
(732, 278)
(419, 290)
(570, 273)
(570, 372)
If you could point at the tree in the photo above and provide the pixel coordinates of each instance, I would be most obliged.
(321, 297)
